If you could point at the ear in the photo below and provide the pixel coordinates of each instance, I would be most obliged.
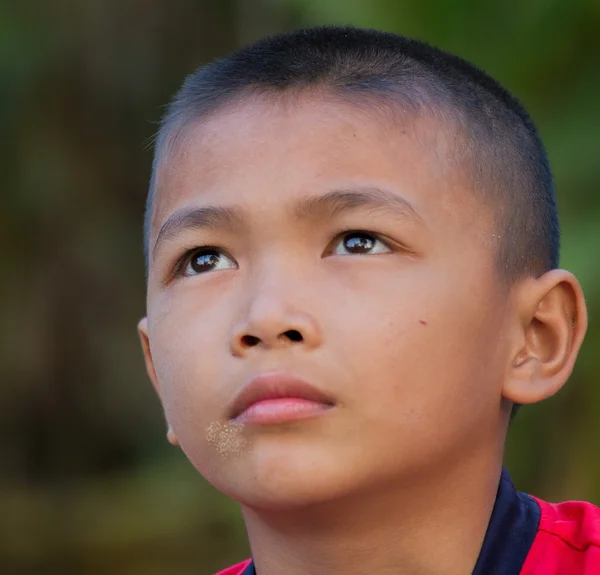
(142, 328)
(551, 324)
(145, 341)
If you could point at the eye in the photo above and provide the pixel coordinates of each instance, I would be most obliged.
(357, 243)
(206, 260)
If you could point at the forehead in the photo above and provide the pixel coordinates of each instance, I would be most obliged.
(265, 152)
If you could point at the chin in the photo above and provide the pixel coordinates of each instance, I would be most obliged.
(285, 495)
(284, 481)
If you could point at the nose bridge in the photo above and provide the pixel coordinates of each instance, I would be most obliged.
(277, 309)
(275, 295)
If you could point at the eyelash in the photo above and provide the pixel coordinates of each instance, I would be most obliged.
(184, 260)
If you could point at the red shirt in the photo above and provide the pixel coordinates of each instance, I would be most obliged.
(527, 536)
(567, 540)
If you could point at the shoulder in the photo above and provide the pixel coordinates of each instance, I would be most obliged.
(237, 569)
(568, 540)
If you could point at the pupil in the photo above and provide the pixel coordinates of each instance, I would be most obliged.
(204, 261)
(359, 243)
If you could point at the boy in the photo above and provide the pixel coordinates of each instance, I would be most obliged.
(352, 248)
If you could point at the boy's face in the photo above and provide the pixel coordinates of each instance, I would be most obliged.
(403, 326)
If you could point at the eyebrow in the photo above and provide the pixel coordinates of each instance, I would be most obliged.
(318, 207)
(205, 217)
(372, 198)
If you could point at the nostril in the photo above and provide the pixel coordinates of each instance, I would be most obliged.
(293, 335)
(250, 340)
(289, 335)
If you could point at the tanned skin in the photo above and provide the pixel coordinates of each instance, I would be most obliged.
(419, 341)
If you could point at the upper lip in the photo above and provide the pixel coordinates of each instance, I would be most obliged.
(275, 386)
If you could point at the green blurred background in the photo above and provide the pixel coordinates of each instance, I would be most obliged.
(88, 484)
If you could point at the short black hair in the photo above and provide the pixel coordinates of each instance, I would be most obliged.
(500, 147)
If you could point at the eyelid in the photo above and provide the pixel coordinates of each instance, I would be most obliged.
(185, 258)
(392, 245)
(177, 269)
(223, 255)
(341, 239)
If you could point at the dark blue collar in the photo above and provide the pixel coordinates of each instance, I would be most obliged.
(510, 533)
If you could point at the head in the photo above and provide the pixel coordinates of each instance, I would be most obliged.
(369, 214)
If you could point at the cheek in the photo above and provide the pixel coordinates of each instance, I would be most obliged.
(186, 355)
(423, 353)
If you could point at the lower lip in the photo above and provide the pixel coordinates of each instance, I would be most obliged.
(282, 410)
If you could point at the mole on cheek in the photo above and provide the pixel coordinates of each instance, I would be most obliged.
(423, 322)
(227, 439)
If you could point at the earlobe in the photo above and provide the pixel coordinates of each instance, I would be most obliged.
(552, 324)
(171, 437)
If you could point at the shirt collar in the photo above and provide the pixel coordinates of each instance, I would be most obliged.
(510, 533)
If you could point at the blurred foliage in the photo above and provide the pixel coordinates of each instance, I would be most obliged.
(88, 485)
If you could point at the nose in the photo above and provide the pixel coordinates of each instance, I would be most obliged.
(272, 321)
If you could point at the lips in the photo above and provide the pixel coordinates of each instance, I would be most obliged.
(276, 398)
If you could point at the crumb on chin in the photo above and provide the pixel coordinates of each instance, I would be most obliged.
(227, 439)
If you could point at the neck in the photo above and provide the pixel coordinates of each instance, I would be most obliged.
(435, 526)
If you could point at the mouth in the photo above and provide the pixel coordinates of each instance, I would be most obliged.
(278, 398)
